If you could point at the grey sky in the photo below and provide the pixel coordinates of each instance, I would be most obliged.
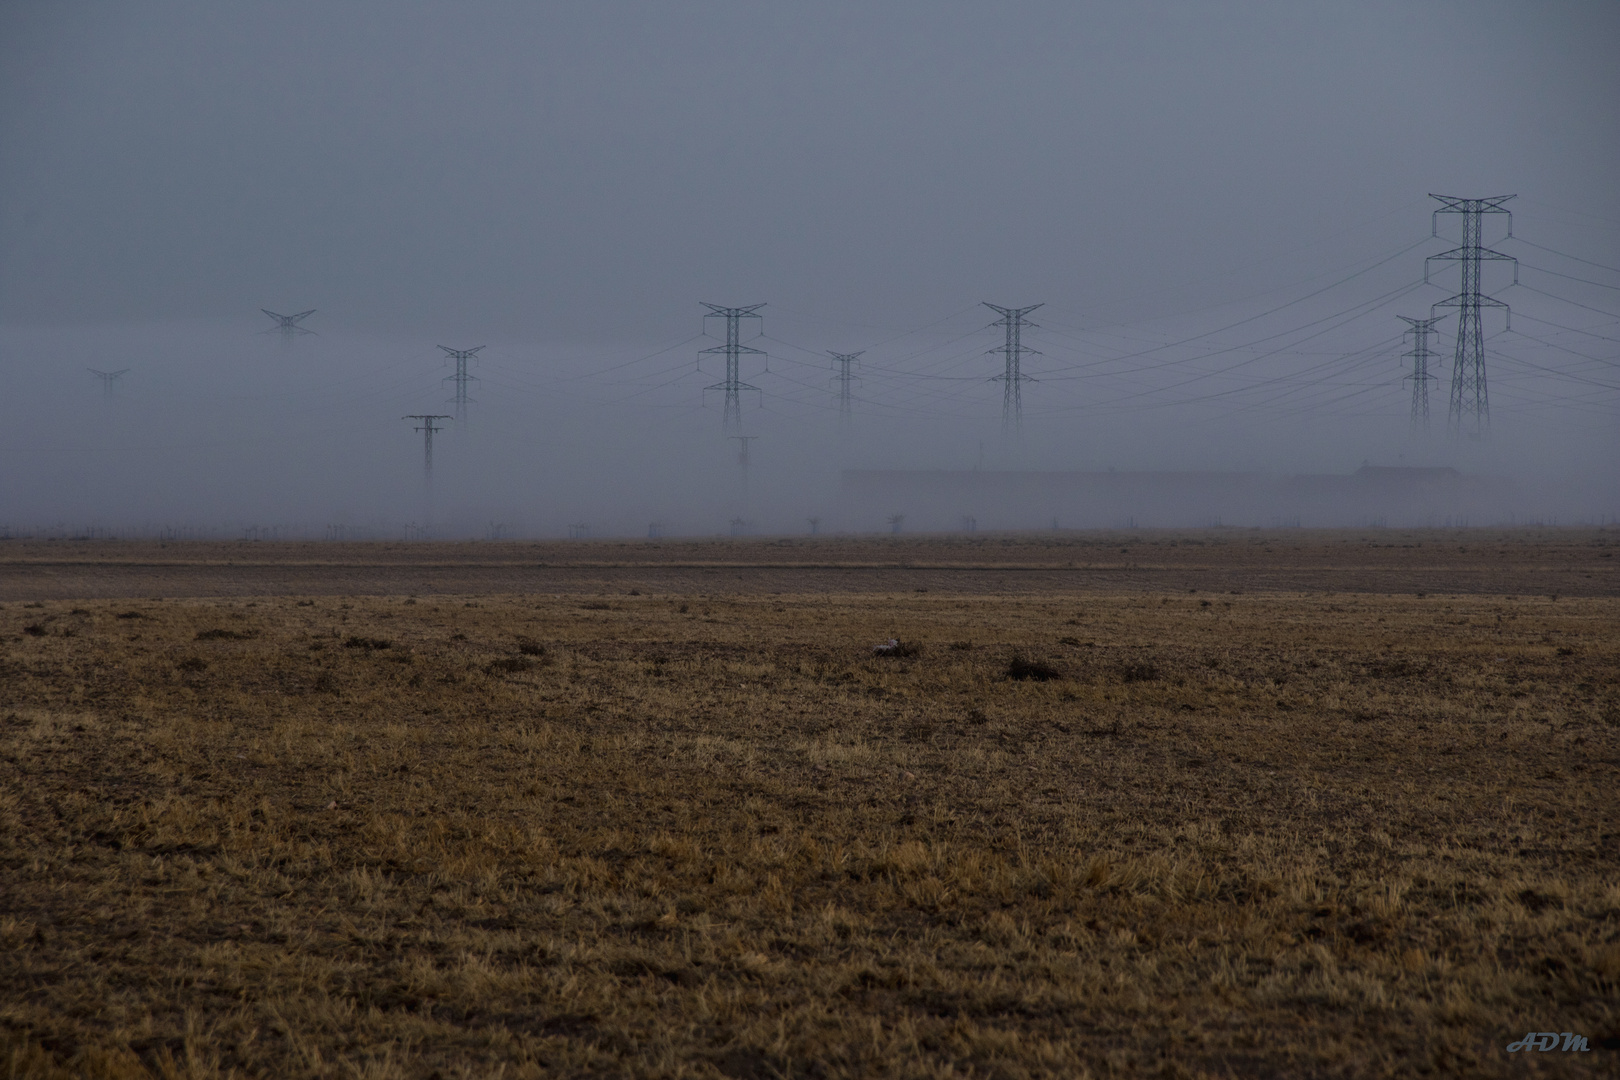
(566, 181)
(592, 169)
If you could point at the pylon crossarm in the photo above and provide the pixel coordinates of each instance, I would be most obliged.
(1464, 301)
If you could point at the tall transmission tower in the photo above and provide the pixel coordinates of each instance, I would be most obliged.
(427, 428)
(461, 378)
(1012, 397)
(846, 403)
(288, 324)
(107, 379)
(1420, 354)
(1470, 412)
(733, 350)
(742, 442)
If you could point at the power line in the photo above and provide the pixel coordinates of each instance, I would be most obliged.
(637, 360)
(1569, 329)
(1269, 311)
(1570, 277)
(1347, 316)
(1560, 374)
(1606, 361)
(1566, 255)
(1566, 300)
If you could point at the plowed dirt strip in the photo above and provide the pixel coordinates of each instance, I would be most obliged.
(1504, 563)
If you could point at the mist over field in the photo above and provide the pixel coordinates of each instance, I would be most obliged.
(1222, 211)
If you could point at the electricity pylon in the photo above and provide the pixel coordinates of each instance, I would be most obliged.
(1012, 397)
(427, 429)
(742, 442)
(1470, 412)
(460, 378)
(107, 379)
(288, 324)
(1420, 354)
(733, 351)
(845, 401)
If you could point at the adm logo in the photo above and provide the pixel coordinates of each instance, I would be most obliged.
(1548, 1040)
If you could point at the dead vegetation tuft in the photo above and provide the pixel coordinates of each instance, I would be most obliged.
(1022, 668)
(222, 635)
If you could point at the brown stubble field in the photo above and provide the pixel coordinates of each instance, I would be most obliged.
(631, 831)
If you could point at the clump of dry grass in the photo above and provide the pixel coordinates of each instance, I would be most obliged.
(219, 634)
(1339, 836)
(1022, 668)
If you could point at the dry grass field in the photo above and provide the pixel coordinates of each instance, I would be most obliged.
(653, 824)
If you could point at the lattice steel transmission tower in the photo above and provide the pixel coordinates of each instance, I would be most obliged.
(288, 324)
(733, 350)
(1420, 354)
(1470, 412)
(742, 442)
(846, 402)
(461, 378)
(107, 379)
(1012, 396)
(427, 428)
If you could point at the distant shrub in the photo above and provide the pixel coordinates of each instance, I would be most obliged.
(222, 635)
(508, 665)
(1397, 667)
(129, 615)
(530, 648)
(355, 641)
(894, 648)
(597, 605)
(1138, 672)
(961, 646)
(34, 630)
(1023, 668)
(193, 663)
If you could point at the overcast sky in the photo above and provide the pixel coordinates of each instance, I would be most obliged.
(578, 176)
(591, 169)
